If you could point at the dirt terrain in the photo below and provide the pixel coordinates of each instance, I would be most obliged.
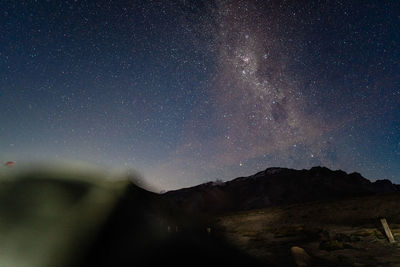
(333, 233)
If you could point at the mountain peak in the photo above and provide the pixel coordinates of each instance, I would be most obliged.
(274, 170)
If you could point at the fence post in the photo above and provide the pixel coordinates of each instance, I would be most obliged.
(387, 230)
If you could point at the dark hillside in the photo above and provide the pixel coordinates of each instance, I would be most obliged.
(277, 186)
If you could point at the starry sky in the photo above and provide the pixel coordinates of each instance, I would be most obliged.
(187, 91)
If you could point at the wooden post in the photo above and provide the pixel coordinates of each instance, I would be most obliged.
(387, 230)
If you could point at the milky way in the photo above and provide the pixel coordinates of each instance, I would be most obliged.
(191, 91)
(258, 108)
(260, 105)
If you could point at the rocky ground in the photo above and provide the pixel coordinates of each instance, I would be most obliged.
(333, 233)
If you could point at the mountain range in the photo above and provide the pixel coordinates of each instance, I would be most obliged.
(276, 186)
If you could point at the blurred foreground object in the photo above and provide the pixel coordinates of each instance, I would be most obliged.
(50, 218)
(53, 218)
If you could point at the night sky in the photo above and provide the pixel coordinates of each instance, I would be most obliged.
(190, 91)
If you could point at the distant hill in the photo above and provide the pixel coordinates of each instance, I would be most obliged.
(277, 186)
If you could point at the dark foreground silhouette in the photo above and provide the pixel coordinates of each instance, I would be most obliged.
(142, 231)
(54, 218)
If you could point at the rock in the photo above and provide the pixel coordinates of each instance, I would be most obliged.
(300, 256)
